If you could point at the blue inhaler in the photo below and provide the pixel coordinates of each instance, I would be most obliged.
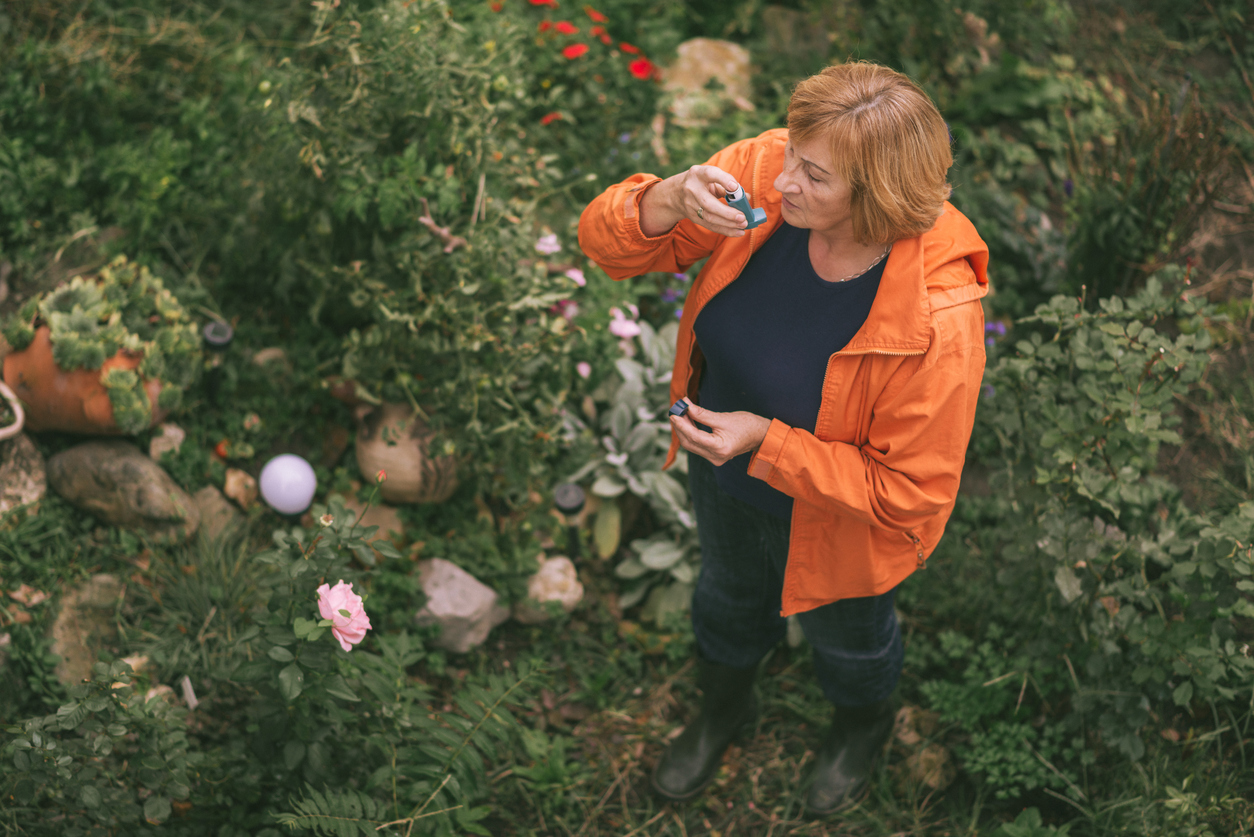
(738, 200)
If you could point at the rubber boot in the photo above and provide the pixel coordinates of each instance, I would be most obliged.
(727, 706)
(843, 769)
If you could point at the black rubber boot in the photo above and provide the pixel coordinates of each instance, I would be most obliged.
(727, 706)
(847, 755)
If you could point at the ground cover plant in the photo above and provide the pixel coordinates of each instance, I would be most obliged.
(388, 193)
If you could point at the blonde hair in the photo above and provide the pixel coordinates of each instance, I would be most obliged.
(888, 142)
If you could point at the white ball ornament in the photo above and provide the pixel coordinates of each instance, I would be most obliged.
(288, 483)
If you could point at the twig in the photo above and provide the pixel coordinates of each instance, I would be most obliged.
(479, 201)
(451, 242)
(655, 818)
(1057, 772)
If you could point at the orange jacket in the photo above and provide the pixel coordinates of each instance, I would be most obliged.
(876, 482)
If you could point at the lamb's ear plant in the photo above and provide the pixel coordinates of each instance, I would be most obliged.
(660, 569)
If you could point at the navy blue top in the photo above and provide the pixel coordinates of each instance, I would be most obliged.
(767, 338)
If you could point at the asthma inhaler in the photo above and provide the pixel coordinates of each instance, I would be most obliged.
(738, 200)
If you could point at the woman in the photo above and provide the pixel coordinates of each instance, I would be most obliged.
(831, 359)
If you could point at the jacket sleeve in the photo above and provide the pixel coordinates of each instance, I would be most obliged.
(609, 228)
(911, 464)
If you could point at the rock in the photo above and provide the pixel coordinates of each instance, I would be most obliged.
(23, 477)
(217, 515)
(465, 608)
(555, 581)
(115, 481)
(168, 439)
(699, 61)
(241, 488)
(84, 625)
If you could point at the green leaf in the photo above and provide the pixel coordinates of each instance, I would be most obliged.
(157, 810)
(90, 795)
(291, 682)
(280, 654)
(336, 687)
(607, 530)
(302, 627)
(1183, 693)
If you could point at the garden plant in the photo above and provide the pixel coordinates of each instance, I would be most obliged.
(381, 198)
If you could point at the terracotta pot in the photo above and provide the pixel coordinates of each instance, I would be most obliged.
(75, 402)
(392, 438)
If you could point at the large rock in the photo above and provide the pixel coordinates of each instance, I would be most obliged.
(23, 478)
(83, 625)
(115, 481)
(555, 581)
(699, 61)
(217, 515)
(465, 608)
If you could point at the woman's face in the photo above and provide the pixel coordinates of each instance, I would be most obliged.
(815, 197)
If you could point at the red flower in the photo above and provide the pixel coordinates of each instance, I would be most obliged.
(597, 30)
(550, 117)
(629, 49)
(606, 39)
(567, 28)
(546, 25)
(544, 2)
(642, 68)
(382, 476)
(596, 16)
(574, 51)
(496, 5)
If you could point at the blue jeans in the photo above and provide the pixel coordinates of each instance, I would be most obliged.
(736, 606)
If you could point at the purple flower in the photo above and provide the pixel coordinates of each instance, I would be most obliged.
(682, 277)
(988, 391)
(988, 341)
(624, 138)
(679, 313)
(1068, 187)
(548, 244)
(997, 327)
(670, 295)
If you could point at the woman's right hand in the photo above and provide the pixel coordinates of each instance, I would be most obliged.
(697, 195)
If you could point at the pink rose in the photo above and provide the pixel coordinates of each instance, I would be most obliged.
(576, 275)
(583, 368)
(342, 606)
(622, 327)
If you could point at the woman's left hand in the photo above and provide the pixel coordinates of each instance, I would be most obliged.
(731, 433)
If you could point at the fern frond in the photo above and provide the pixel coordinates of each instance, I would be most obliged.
(345, 813)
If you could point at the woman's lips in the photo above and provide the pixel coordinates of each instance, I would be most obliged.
(787, 203)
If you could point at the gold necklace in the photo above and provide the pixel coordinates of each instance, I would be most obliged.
(878, 259)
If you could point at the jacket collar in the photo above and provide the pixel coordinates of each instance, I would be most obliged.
(900, 320)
